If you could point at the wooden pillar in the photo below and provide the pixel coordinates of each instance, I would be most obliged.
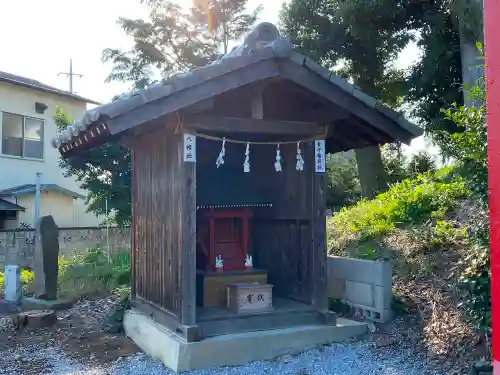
(188, 246)
(211, 241)
(133, 247)
(319, 296)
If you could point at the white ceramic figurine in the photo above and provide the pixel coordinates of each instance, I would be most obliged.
(248, 261)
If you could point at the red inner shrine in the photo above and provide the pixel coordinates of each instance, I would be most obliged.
(225, 232)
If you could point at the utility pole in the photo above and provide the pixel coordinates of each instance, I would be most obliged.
(70, 75)
(38, 177)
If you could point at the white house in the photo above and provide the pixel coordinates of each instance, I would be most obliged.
(26, 130)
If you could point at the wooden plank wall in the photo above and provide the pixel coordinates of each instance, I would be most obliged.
(157, 203)
(283, 237)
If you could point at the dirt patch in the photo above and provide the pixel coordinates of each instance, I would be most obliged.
(77, 335)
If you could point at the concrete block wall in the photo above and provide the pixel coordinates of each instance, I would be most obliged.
(363, 284)
(17, 246)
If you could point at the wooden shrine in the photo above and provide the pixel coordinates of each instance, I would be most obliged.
(270, 115)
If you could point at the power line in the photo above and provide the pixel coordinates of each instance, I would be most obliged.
(70, 75)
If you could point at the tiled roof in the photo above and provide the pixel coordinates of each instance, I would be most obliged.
(37, 85)
(241, 57)
(9, 206)
(31, 188)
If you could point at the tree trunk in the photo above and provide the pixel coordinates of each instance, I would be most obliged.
(470, 54)
(372, 174)
(371, 170)
(471, 72)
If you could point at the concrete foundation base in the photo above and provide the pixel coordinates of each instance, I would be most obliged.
(41, 304)
(233, 349)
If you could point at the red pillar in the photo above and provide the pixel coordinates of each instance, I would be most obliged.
(492, 56)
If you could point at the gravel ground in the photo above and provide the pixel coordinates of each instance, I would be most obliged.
(339, 359)
(76, 345)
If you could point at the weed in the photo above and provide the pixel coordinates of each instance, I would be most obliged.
(88, 274)
(409, 202)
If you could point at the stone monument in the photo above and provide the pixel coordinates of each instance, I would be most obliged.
(46, 256)
(46, 266)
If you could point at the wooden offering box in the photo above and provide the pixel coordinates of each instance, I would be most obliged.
(250, 298)
(215, 284)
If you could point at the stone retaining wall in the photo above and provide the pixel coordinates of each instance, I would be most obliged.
(17, 246)
(363, 284)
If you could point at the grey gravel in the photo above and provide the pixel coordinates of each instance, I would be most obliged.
(339, 359)
(49, 356)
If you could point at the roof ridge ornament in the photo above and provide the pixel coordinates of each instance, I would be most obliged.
(262, 35)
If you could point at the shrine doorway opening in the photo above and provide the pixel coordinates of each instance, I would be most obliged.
(264, 215)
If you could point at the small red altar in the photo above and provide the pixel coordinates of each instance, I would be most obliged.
(225, 232)
(226, 208)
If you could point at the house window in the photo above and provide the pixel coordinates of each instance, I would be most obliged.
(22, 136)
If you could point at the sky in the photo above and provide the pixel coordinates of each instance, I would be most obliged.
(54, 31)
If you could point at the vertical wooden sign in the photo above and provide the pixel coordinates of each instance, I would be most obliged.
(319, 156)
(189, 148)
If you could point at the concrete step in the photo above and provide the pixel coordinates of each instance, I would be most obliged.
(259, 322)
(231, 349)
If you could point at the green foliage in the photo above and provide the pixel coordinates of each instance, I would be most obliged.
(164, 44)
(338, 306)
(88, 274)
(343, 180)
(27, 281)
(435, 79)
(395, 162)
(94, 273)
(344, 187)
(105, 172)
(408, 202)
(339, 34)
(475, 280)
(333, 32)
(420, 163)
(469, 148)
(173, 40)
(447, 233)
(114, 321)
(399, 305)
(366, 253)
(231, 20)
(400, 166)
(170, 41)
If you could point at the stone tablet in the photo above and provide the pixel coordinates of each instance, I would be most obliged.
(46, 258)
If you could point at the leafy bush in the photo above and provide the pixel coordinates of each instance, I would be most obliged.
(87, 274)
(475, 280)
(408, 202)
(94, 273)
(420, 163)
(469, 149)
(343, 180)
(27, 281)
